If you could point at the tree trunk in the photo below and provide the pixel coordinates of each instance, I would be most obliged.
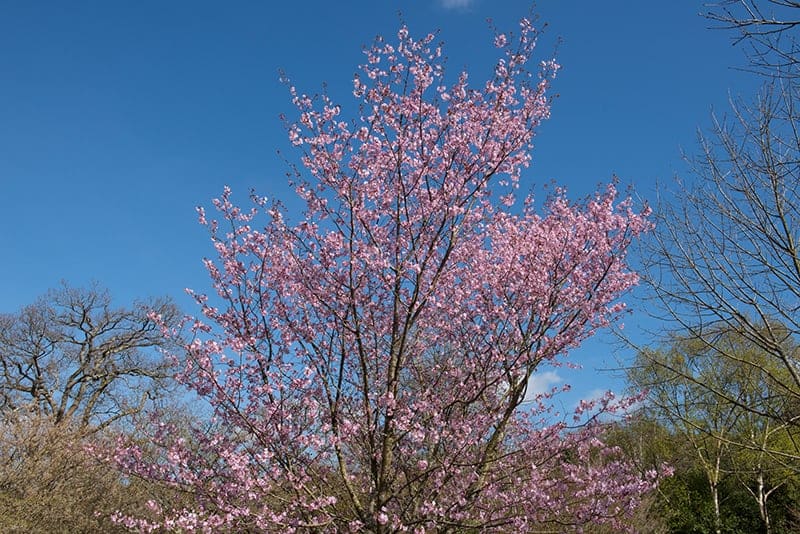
(715, 498)
(761, 496)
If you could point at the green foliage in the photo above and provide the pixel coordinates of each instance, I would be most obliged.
(683, 503)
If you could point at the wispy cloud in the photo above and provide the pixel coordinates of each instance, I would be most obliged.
(595, 394)
(457, 4)
(542, 383)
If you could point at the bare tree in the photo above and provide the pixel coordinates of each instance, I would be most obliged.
(766, 28)
(71, 365)
(72, 356)
(725, 255)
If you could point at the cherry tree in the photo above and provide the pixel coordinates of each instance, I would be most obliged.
(368, 365)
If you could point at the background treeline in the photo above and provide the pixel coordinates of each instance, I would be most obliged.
(728, 429)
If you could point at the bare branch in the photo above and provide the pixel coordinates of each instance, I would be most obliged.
(69, 355)
(765, 28)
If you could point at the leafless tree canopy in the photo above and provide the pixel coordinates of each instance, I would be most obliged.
(766, 28)
(725, 256)
(73, 357)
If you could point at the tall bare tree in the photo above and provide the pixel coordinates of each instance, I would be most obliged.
(71, 365)
(72, 356)
(725, 255)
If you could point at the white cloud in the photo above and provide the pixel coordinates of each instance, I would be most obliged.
(595, 394)
(542, 383)
(456, 4)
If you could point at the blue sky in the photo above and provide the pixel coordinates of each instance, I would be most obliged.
(118, 118)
